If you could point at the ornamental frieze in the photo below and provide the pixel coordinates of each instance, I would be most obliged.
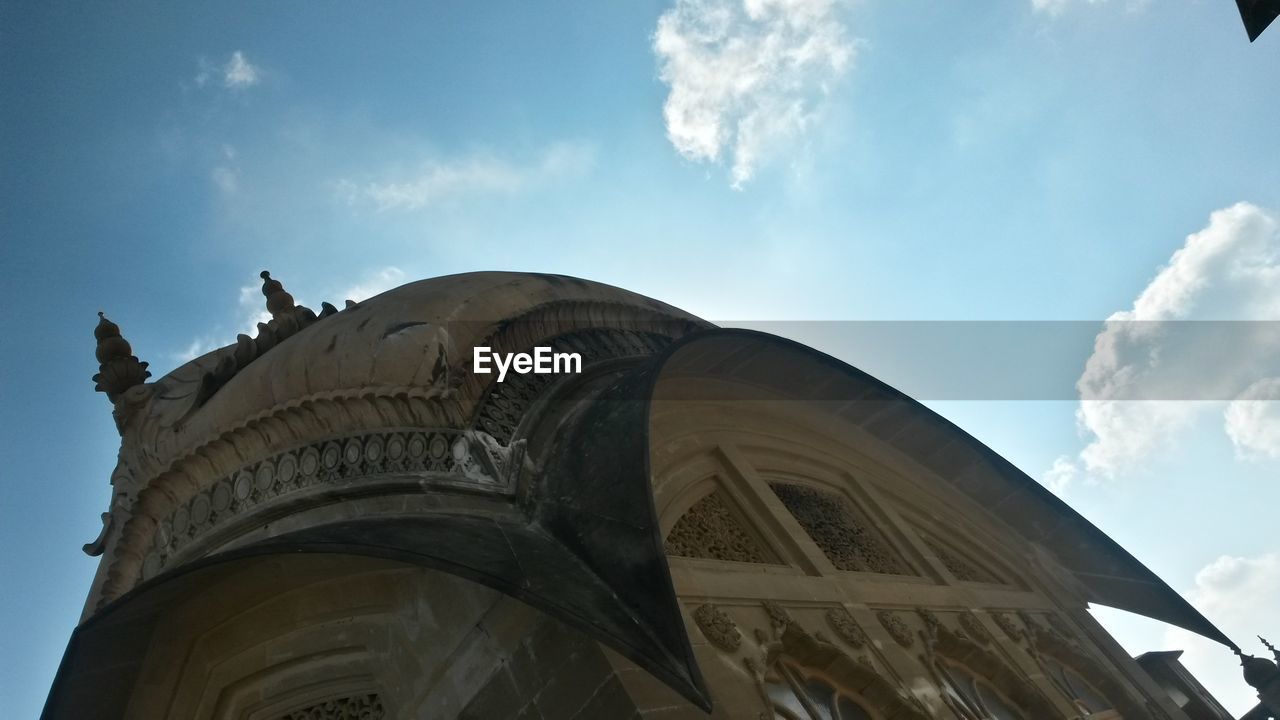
(445, 459)
(973, 628)
(1008, 625)
(846, 627)
(718, 627)
(896, 627)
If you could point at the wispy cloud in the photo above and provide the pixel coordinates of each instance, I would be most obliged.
(441, 180)
(226, 174)
(1230, 270)
(747, 76)
(373, 284)
(236, 73)
(251, 309)
(1054, 8)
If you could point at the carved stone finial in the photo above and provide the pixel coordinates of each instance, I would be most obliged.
(118, 368)
(1258, 672)
(279, 302)
(1274, 652)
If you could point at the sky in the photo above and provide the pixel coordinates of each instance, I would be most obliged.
(811, 164)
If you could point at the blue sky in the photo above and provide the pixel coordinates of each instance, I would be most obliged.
(807, 160)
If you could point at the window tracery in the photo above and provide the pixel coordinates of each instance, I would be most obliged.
(1084, 695)
(848, 540)
(355, 707)
(797, 695)
(960, 566)
(972, 696)
(710, 529)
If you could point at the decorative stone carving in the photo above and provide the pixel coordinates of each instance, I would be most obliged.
(931, 621)
(959, 566)
(120, 374)
(506, 403)
(118, 368)
(709, 529)
(846, 627)
(355, 707)
(718, 627)
(449, 458)
(1008, 625)
(973, 629)
(848, 542)
(1059, 625)
(286, 320)
(779, 618)
(95, 548)
(896, 628)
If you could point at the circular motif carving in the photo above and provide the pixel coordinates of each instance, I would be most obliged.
(151, 565)
(460, 451)
(439, 447)
(181, 520)
(242, 486)
(351, 453)
(265, 475)
(320, 463)
(286, 469)
(200, 510)
(221, 496)
(310, 462)
(330, 456)
(395, 448)
(417, 447)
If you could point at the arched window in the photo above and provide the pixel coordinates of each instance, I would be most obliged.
(798, 695)
(1080, 691)
(975, 695)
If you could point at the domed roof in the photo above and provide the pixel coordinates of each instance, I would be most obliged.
(415, 339)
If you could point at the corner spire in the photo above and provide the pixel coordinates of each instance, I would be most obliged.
(279, 302)
(118, 368)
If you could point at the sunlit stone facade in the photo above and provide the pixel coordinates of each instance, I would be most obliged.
(335, 519)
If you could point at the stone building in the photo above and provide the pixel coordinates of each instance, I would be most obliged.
(338, 518)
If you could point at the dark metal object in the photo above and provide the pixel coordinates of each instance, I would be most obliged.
(1257, 15)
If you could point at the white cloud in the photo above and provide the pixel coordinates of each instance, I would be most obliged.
(1055, 7)
(747, 76)
(438, 181)
(1138, 385)
(236, 74)
(1059, 477)
(252, 309)
(199, 346)
(1238, 595)
(226, 175)
(378, 282)
(239, 72)
(1253, 421)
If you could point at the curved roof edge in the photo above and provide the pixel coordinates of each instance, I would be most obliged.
(1109, 573)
